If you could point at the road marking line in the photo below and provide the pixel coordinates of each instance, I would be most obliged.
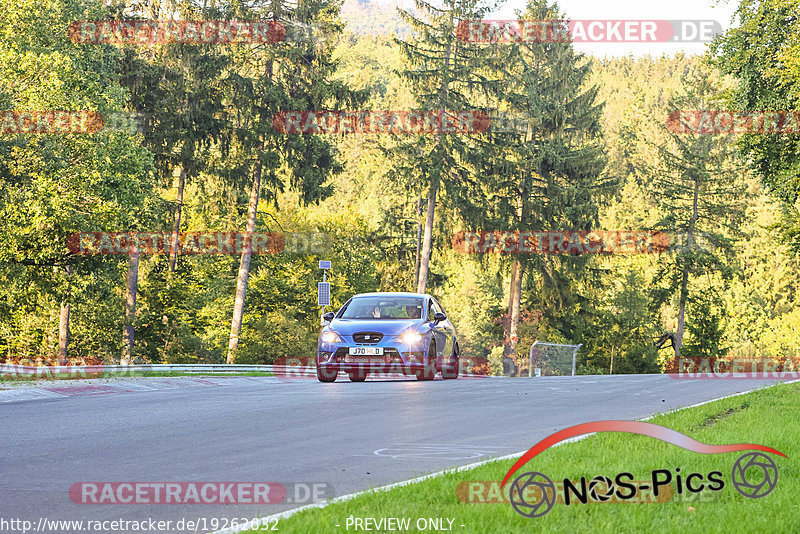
(464, 446)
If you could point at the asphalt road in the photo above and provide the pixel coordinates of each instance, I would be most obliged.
(352, 436)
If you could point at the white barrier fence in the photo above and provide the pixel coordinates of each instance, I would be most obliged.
(556, 367)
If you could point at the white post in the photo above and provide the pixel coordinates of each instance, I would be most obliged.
(574, 353)
(530, 360)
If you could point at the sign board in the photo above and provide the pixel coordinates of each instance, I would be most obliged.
(323, 294)
(324, 264)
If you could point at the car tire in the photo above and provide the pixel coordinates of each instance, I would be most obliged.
(450, 370)
(326, 375)
(357, 376)
(429, 372)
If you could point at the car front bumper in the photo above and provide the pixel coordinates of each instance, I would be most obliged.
(397, 357)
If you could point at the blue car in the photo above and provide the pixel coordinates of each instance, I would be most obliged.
(388, 333)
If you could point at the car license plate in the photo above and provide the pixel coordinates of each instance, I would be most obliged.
(366, 351)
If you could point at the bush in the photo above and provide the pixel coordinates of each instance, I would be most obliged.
(272, 336)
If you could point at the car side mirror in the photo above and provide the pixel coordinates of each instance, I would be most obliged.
(438, 317)
(329, 316)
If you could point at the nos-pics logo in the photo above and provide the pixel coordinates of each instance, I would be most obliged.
(533, 494)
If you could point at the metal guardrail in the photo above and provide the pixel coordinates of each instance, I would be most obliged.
(291, 371)
(139, 368)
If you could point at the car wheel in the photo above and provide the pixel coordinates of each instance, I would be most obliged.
(357, 376)
(450, 370)
(326, 375)
(430, 364)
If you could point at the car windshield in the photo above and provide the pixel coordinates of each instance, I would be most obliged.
(372, 308)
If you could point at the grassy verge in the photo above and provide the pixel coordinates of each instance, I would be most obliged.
(127, 374)
(769, 417)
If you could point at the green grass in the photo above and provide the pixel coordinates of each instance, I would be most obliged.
(769, 417)
(125, 374)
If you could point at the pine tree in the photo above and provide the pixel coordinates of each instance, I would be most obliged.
(292, 75)
(696, 180)
(444, 73)
(546, 176)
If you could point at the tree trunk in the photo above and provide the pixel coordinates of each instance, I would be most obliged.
(176, 228)
(516, 284)
(611, 367)
(514, 294)
(130, 306)
(63, 329)
(427, 238)
(419, 242)
(685, 275)
(244, 266)
(507, 324)
(427, 242)
(681, 310)
(63, 334)
(510, 349)
(252, 210)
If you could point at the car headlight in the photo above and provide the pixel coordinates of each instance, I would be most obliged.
(410, 338)
(331, 337)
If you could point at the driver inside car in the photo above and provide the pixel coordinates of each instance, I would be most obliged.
(413, 312)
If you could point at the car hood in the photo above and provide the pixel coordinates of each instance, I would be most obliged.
(387, 327)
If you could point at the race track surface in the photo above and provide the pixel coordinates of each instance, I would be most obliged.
(352, 436)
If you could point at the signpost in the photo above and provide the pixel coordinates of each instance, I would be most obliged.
(323, 291)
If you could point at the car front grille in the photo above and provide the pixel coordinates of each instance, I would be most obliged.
(367, 338)
(342, 354)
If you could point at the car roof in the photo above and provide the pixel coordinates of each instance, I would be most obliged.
(391, 294)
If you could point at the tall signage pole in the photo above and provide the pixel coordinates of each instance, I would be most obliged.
(323, 291)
